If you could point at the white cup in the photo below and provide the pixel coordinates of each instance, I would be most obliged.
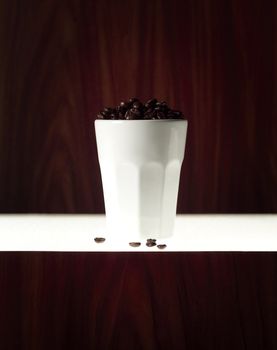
(140, 163)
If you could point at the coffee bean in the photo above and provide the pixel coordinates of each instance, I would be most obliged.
(108, 110)
(170, 115)
(99, 239)
(146, 116)
(129, 115)
(123, 104)
(150, 244)
(132, 100)
(161, 246)
(151, 103)
(160, 115)
(149, 112)
(150, 115)
(137, 105)
(137, 113)
(100, 116)
(151, 240)
(134, 244)
(177, 114)
(158, 108)
(104, 113)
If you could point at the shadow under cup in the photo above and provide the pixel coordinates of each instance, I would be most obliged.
(140, 163)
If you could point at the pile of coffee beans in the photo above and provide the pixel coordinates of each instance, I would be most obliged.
(134, 109)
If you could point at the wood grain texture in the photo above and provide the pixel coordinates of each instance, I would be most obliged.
(138, 301)
(62, 61)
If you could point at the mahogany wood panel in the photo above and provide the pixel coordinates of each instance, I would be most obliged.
(138, 301)
(62, 61)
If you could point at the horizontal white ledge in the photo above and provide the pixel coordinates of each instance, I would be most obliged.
(76, 233)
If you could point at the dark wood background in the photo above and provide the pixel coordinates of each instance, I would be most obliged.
(138, 301)
(60, 63)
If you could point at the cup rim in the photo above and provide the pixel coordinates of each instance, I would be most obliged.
(139, 120)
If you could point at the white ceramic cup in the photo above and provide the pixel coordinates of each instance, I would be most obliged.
(140, 163)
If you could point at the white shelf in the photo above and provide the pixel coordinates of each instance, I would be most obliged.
(75, 233)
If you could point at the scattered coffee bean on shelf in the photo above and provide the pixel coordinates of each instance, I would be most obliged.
(134, 244)
(99, 239)
(150, 242)
(161, 246)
